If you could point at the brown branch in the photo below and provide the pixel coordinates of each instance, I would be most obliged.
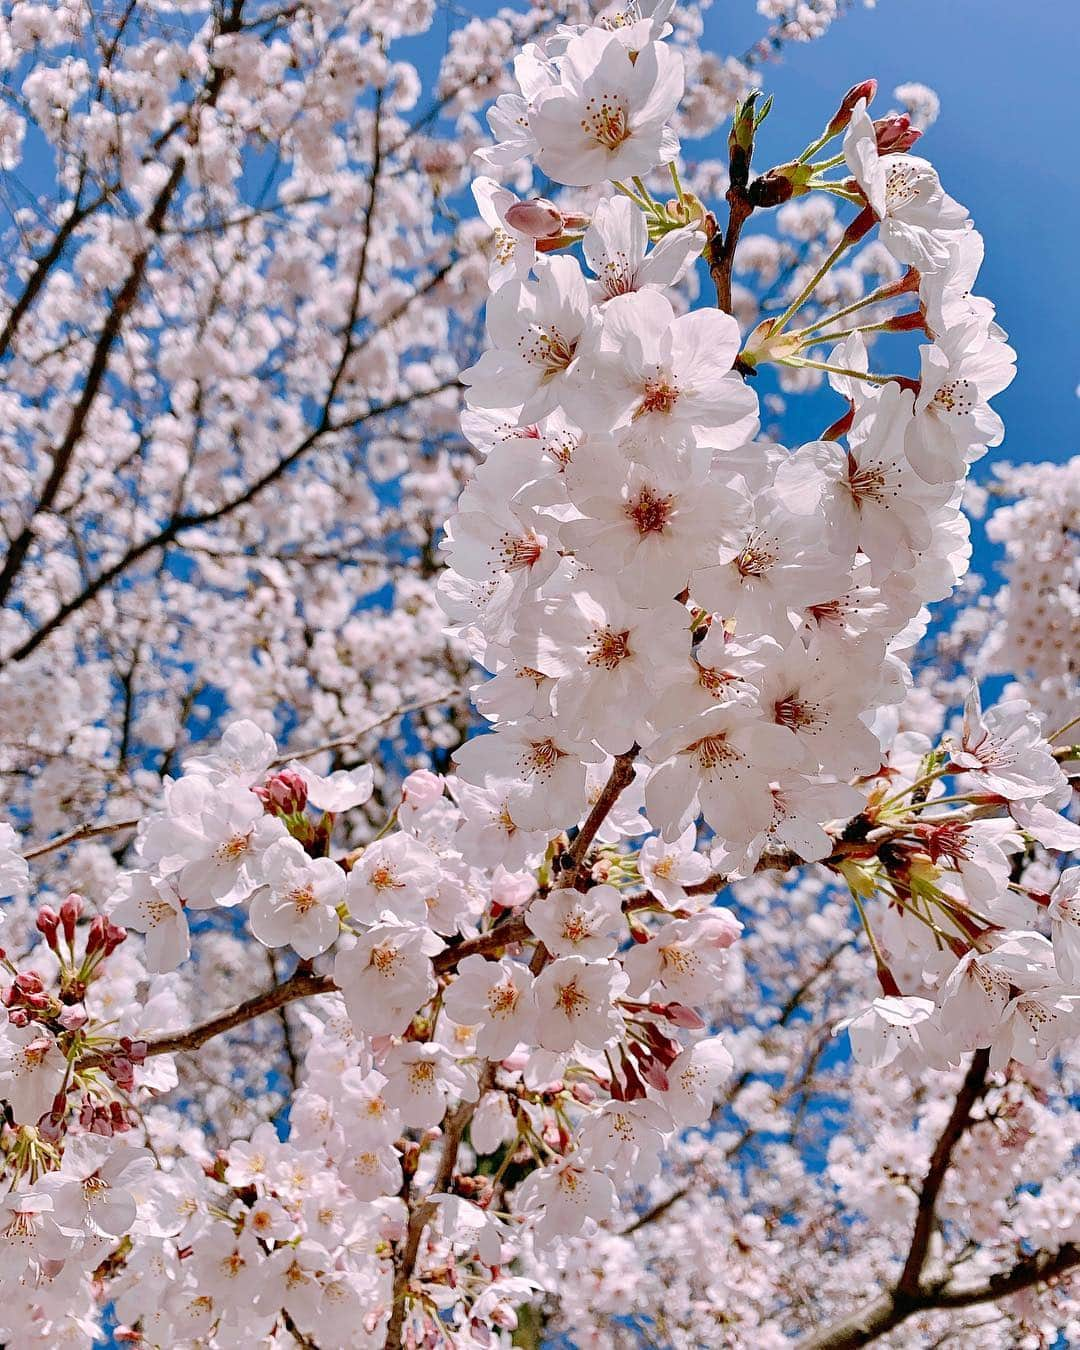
(453, 1132)
(622, 775)
(346, 742)
(779, 859)
(306, 984)
(890, 1310)
(910, 1295)
(84, 831)
(971, 1090)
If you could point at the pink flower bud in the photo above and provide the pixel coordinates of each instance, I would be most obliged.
(121, 1070)
(18, 1017)
(47, 923)
(284, 794)
(895, 134)
(682, 1016)
(537, 218)
(95, 938)
(422, 788)
(70, 912)
(73, 1017)
(503, 1315)
(114, 936)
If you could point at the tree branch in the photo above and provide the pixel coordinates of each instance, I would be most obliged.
(971, 1090)
(910, 1295)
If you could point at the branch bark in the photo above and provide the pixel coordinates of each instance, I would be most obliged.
(911, 1294)
(890, 1310)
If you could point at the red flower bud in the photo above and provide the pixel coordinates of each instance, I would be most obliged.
(895, 134)
(95, 938)
(865, 90)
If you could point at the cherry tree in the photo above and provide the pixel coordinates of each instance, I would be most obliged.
(736, 919)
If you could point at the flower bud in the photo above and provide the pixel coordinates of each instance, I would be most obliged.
(135, 1050)
(895, 134)
(538, 218)
(70, 911)
(422, 788)
(682, 1016)
(865, 90)
(72, 1018)
(283, 794)
(47, 923)
(95, 938)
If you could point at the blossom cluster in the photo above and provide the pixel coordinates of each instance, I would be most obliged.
(500, 1009)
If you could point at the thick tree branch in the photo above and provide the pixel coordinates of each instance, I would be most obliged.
(971, 1090)
(910, 1294)
(890, 1310)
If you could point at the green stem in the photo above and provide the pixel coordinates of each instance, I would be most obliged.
(866, 375)
(782, 322)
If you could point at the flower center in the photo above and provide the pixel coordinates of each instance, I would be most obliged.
(660, 396)
(758, 555)
(650, 511)
(609, 648)
(606, 121)
(503, 998)
(711, 751)
(570, 1000)
(521, 552)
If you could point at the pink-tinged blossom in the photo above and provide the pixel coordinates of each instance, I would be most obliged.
(661, 375)
(535, 329)
(496, 997)
(667, 868)
(563, 1198)
(720, 763)
(537, 753)
(1064, 912)
(905, 194)
(650, 528)
(616, 248)
(607, 117)
(626, 1138)
(694, 1077)
(888, 1030)
(32, 1071)
(686, 958)
(153, 906)
(419, 1078)
(386, 977)
(573, 923)
(393, 877)
(92, 1191)
(575, 1003)
(298, 905)
(1005, 754)
(14, 872)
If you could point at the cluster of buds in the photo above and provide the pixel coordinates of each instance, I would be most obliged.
(103, 1119)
